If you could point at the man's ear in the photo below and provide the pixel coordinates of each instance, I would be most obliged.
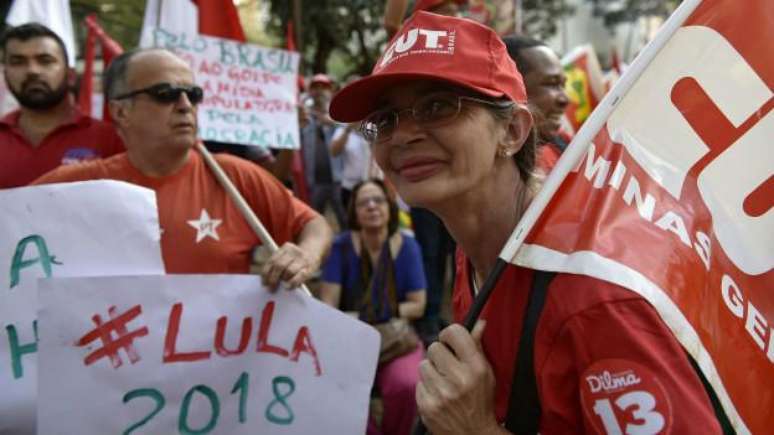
(72, 78)
(119, 112)
(518, 129)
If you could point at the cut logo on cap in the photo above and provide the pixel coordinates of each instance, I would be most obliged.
(620, 397)
(419, 41)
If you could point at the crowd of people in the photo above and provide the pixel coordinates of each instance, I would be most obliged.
(462, 137)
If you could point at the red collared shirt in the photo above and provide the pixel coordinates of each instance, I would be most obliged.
(83, 138)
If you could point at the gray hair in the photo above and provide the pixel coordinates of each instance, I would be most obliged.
(115, 77)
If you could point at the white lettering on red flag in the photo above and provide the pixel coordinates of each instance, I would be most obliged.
(673, 199)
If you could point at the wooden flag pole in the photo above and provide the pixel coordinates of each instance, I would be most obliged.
(239, 200)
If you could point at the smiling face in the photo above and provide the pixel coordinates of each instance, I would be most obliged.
(150, 126)
(545, 88)
(36, 72)
(432, 166)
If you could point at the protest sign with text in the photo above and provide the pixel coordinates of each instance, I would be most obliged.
(199, 354)
(93, 228)
(671, 196)
(250, 92)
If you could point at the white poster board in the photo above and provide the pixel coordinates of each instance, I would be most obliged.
(89, 228)
(250, 92)
(199, 354)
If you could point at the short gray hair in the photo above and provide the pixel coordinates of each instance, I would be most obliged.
(115, 77)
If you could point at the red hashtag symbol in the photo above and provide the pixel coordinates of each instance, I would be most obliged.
(104, 332)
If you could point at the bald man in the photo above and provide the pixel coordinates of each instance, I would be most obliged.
(153, 100)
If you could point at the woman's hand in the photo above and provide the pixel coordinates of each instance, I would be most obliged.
(455, 394)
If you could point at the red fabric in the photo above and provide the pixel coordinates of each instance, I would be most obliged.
(83, 138)
(220, 18)
(588, 327)
(110, 49)
(185, 196)
(87, 87)
(548, 153)
(461, 52)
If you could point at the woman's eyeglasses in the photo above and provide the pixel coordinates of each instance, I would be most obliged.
(365, 202)
(166, 93)
(431, 110)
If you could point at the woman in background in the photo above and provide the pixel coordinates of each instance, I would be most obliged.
(375, 272)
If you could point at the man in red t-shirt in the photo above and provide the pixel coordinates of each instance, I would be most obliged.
(48, 130)
(153, 102)
(544, 80)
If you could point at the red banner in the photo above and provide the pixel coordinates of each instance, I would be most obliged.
(674, 198)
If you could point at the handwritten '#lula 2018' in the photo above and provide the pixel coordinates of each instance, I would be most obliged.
(301, 344)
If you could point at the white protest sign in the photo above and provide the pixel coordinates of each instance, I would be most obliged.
(199, 354)
(250, 92)
(90, 228)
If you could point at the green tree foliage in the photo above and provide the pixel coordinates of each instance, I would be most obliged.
(121, 19)
(351, 29)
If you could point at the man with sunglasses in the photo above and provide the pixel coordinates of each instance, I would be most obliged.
(153, 101)
(47, 130)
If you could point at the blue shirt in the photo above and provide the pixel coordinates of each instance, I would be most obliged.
(343, 268)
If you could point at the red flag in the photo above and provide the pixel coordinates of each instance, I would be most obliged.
(220, 18)
(110, 49)
(669, 191)
(297, 164)
(615, 60)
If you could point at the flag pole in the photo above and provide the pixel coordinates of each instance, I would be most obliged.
(239, 200)
(569, 159)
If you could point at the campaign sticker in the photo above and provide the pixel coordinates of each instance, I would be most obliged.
(77, 155)
(620, 396)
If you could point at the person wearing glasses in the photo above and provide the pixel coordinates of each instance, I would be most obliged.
(446, 112)
(47, 130)
(375, 272)
(153, 102)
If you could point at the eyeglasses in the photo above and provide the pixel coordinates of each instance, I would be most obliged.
(365, 202)
(431, 110)
(166, 93)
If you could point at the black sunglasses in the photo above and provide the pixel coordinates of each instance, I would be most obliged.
(166, 93)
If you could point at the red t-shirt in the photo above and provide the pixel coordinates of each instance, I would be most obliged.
(202, 229)
(604, 359)
(81, 139)
(548, 153)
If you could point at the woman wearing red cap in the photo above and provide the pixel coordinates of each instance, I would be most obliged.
(445, 110)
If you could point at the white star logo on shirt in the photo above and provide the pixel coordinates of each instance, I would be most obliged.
(205, 226)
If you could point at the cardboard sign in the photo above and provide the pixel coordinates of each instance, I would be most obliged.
(91, 228)
(199, 354)
(250, 92)
(673, 199)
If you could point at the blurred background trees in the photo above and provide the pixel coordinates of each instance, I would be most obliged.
(343, 37)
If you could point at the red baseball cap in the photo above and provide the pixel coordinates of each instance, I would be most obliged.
(426, 5)
(435, 47)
